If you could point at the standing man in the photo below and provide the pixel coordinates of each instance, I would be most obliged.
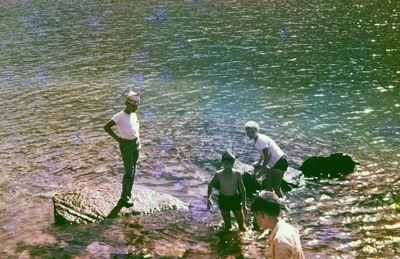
(284, 239)
(272, 163)
(127, 125)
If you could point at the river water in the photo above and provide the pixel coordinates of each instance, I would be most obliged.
(319, 76)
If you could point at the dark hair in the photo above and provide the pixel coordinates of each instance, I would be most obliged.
(228, 156)
(267, 202)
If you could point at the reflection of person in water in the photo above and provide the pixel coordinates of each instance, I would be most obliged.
(272, 163)
(127, 125)
(284, 239)
(232, 194)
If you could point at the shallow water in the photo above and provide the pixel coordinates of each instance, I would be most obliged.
(319, 76)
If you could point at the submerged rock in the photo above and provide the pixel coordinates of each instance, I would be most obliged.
(334, 166)
(94, 203)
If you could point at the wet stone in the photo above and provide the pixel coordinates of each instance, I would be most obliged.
(93, 203)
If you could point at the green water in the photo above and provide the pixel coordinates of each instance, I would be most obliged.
(319, 76)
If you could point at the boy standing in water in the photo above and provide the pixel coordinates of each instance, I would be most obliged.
(127, 125)
(272, 163)
(284, 239)
(232, 194)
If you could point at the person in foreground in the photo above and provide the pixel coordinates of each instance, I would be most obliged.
(127, 125)
(232, 194)
(284, 239)
(272, 164)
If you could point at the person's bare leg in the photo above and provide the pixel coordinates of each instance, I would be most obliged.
(240, 219)
(226, 215)
(267, 183)
(256, 169)
(276, 181)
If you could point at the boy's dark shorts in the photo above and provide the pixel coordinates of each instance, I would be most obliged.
(228, 203)
(281, 164)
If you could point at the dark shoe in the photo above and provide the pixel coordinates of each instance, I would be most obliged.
(114, 212)
(125, 203)
(112, 215)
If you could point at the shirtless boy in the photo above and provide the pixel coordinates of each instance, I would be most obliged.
(232, 194)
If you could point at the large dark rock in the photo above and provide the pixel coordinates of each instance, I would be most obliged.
(89, 204)
(334, 166)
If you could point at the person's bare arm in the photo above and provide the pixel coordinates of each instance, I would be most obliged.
(264, 168)
(209, 191)
(261, 167)
(242, 191)
(108, 129)
(257, 167)
(259, 161)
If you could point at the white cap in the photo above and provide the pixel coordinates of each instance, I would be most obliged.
(133, 97)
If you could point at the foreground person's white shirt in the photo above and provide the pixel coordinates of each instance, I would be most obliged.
(285, 242)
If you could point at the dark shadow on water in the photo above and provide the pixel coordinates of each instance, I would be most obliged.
(226, 243)
(73, 240)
